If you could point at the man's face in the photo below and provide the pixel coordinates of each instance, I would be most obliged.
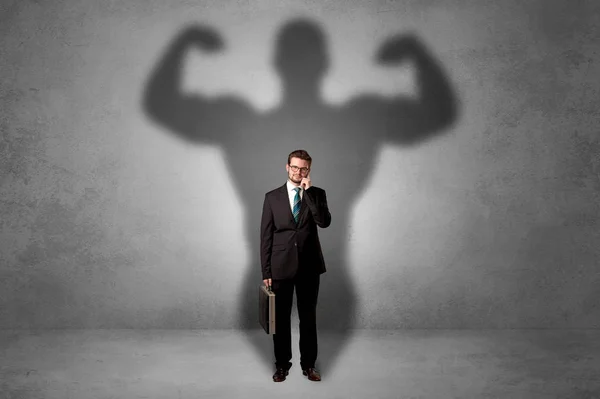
(297, 175)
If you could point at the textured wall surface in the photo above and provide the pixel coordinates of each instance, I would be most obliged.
(463, 176)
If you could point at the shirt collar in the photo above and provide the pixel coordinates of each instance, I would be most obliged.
(291, 187)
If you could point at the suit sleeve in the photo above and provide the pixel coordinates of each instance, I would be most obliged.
(266, 239)
(317, 203)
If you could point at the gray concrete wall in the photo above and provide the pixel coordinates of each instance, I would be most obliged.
(116, 214)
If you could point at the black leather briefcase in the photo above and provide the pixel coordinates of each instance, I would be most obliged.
(266, 311)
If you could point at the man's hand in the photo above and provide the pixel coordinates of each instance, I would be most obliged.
(305, 183)
(267, 282)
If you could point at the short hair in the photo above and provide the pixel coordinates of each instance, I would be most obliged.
(300, 154)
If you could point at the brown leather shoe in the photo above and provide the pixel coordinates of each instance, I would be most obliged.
(280, 375)
(312, 374)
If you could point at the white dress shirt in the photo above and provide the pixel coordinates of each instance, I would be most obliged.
(292, 193)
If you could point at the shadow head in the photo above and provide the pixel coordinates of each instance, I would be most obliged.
(300, 53)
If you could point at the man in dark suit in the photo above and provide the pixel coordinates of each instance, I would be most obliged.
(291, 256)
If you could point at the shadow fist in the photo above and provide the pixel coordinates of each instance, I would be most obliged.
(398, 49)
(205, 38)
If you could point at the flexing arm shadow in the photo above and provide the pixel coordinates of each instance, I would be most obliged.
(191, 117)
(406, 120)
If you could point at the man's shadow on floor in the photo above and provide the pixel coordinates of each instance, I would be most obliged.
(343, 141)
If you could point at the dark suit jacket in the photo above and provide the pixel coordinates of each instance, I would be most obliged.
(285, 246)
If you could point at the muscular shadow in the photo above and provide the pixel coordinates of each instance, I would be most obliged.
(343, 142)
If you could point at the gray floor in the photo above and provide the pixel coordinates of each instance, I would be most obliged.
(375, 364)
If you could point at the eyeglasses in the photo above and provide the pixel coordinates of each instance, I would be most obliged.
(295, 168)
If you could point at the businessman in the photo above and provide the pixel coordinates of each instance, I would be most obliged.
(291, 257)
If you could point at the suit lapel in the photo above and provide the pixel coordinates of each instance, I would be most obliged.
(285, 201)
(303, 207)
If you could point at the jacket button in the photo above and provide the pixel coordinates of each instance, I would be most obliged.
(295, 244)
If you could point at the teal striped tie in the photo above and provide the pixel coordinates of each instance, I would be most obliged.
(296, 208)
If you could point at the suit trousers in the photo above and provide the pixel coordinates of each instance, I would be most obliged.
(307, 290)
